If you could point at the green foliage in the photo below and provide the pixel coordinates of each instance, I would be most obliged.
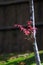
(15, 59)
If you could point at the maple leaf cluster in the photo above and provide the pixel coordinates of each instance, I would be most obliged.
(27, 31)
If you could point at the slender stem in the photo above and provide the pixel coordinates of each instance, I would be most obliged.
(38, 62)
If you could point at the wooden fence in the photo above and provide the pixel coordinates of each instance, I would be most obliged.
(17, 12)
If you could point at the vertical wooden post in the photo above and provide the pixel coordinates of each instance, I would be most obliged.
(32, 17)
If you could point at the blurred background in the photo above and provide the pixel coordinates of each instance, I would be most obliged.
(18, 12)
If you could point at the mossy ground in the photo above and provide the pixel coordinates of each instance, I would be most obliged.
(19, 59)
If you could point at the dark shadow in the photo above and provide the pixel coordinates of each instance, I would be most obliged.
(41, 57)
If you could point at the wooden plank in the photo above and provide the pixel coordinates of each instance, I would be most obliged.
(9, 28)
(10, 2)
(13, 2)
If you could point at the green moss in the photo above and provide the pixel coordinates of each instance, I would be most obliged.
(14, 59)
